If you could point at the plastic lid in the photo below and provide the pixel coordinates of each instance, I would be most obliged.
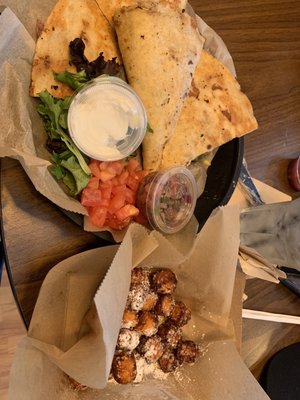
(106, 119)
(171, 199)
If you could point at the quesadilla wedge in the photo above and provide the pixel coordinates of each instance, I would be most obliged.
(69, 20)
(160, 48)
(215, 111)
(109, 7)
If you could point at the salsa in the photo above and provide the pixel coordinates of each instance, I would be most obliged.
(167, 198)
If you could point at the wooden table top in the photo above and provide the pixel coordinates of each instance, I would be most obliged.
(263, 38)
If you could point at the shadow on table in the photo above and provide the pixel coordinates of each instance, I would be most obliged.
(1, 260)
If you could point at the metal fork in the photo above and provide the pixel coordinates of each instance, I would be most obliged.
(248, 187)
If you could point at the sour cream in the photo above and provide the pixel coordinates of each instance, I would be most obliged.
(107, 120)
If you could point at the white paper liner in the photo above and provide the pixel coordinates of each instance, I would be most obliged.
(22, 133)
(78, 314)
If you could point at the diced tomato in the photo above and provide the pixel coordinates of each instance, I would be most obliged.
(105, 188)
(98, 216)
(94, 167)
(111, 170)
(105, 175)
(93, 183)
(104, 203)
(103, 165)
(123, 177)
(127, 211)
(115, 181)
(133, 165)
(117, 201)
(114, 223)
(137, 176)
(117, 166)
(130, 196)
(90, 197)
(119, 189)
(132, 183)
(110, 195)
(140, 175)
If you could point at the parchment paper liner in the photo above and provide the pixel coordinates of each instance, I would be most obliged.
(22, 133)
(65, 331)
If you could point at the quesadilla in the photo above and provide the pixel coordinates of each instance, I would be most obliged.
(69, 20)
(160, 48)
(109, 7)
(215, 111)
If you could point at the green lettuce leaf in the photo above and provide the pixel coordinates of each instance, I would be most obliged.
(74, 80)
(67, 169)
(70, 166)
(54, 113)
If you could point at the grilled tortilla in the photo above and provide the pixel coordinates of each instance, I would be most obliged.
(68, 20)
(160, 48)
(214, 112)
(109, 7)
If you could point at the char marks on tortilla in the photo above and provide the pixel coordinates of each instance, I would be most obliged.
(215, 112)
(110, 7)
(160, 48)
(69, 19)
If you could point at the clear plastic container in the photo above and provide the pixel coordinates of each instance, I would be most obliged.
(167, 198)
(106, 119)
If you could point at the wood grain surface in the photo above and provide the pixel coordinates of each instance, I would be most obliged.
(263, 38)
(12, 331)
(36, 235)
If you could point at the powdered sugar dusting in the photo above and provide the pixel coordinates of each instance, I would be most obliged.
(128, 339)
(154, 344)
(136, 298)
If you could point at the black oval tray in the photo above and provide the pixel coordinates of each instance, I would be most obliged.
(222, 178)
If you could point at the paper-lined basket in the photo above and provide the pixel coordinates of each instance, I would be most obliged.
(77, 318)
(23, 136)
